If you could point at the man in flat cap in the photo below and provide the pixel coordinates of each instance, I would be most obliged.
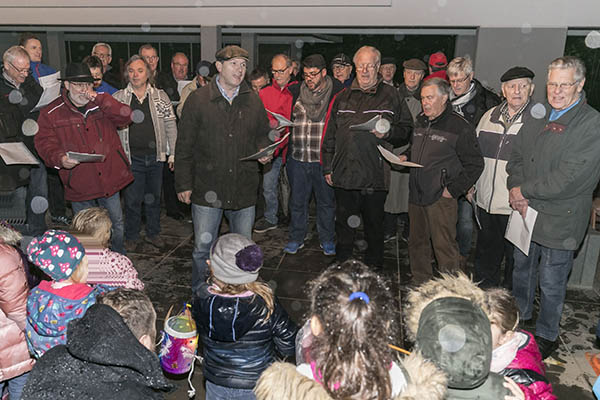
(554, 168)
(387, 70)
(341, 67)
(84, 121)
(496, 133)
(221, 123)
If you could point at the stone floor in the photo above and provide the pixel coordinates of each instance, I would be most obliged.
(167, 275)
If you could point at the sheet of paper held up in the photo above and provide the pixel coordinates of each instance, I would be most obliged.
(85, 157)
(377, 123)
(51, 86)
(181, 85)
(16, 153)
(281, 120)
(519, 229)
(394, 159)
(267, 151)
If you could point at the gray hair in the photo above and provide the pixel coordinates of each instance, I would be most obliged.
(460, 64)
(442, 85)
(288, 60)
(15, 52)
(147, 46)
(371, 49)
(567, 62)
(134, 58)
(105, 45)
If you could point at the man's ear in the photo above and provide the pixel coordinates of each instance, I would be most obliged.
(147, 342)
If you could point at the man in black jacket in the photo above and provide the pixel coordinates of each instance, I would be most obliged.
(108, 355)
(445, 144)
(352, 164)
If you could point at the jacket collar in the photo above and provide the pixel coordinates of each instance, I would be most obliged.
(215, 93)
(130, 92)
(496, 115)
(371, 90)
(447, 111)
(567, 117)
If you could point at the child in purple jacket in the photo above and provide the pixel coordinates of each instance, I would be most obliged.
(515, 352)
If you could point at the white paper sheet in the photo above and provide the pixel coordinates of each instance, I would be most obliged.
(519, 229)
(50, 80)
(181, 85)
(394, 159)
(50, 93)
(16, 153)
(267, 151)
(85, 157)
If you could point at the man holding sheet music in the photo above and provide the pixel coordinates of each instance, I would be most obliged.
(84, 121)
(553, 168)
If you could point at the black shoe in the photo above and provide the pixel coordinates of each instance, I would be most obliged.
(263, 226)
(175, 216)
(546, 346)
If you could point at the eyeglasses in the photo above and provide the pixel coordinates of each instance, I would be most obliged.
(368, 67)
(19, 70)
(180, 65)
(279, 71)
(307, 75)
(562, 86)
(455, 81)
(101, 56)
(338, 67)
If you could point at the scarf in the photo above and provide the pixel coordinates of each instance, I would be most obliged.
(459, 101)
(315, 103)
(505, 354)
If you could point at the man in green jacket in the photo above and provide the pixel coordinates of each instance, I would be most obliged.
(554, 168)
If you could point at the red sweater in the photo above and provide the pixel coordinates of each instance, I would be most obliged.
(278, 100)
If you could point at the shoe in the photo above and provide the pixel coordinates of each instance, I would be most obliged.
(292, 247)
(263, 226)
(388, 237)
(62, 220)
(131, 245)
(546, 346)
(155, 241)
(175, 216)
(328, 248)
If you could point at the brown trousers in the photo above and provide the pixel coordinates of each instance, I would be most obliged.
(433, 224)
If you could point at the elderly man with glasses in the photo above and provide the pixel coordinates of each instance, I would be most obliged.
(104, 52)
(554, 169)
(352, 163)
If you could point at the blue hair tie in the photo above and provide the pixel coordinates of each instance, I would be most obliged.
(359, 295)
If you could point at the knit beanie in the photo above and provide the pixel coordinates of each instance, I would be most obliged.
(57, 253)
(235, 259)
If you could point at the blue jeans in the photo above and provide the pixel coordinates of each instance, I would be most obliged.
(145, 189)
(554, 266)
(464, 226)
(216, 392)
(207, 221)
(38, 187)
(305, 178)
(15, 386)
(270, 180)
(113, 206)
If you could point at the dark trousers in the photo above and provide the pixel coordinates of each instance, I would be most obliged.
(491, 249)
(172, 204)
(433, 224)
(351, 205)
(56, 194)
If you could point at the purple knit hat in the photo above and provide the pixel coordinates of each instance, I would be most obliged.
(57, 253)
(235, 259)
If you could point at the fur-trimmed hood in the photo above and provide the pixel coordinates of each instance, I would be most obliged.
(282, 381)
(448, 285)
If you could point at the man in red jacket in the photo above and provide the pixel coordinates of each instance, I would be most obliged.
(83, 121)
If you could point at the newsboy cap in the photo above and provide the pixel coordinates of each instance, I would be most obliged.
(516, 73)
(341, 59)
(231, 51)
(415, 64)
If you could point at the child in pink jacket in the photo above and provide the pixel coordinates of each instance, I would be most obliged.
(515, 352)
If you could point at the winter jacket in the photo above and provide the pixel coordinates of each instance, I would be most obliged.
(166, 81)
(185, 93)
(238, 343)
(351, 156)
(495, 141)
(48, 315)
(213, 135)
(62, 128)
(106, 88)
(113, 78)
(483, 100)
(557, 166)
(447, 148)
(283, 381)
(280, 101)
(11, 176)
(38, 69)
(102, 360)
(163, 119)
(412, 100)
(528, 371)
(14, 356)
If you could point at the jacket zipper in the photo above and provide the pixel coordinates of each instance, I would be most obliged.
(425, 136)
(504, 134)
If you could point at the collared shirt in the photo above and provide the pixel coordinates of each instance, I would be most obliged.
(224, 93)
(306, 136)
(556, 114)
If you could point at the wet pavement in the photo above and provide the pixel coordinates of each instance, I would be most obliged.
(167, 275)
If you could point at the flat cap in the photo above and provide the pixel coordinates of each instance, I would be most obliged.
(231, 51)
(388, 60)
(341, 59)
(415, 64)
(516, 73)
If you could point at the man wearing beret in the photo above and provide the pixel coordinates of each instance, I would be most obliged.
(496, 133)
(221, 123)
(554, 169)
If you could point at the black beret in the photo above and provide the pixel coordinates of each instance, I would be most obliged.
(516, 73)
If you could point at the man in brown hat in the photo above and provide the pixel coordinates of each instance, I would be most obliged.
(84, 121)
(221, 123)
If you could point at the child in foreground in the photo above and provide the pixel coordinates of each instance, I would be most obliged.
(104, 265)
(346, 354)
(241, 323)
(52, 304)
(516, 353)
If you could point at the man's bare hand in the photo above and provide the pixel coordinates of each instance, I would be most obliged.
(68, 163)
(517, 201)
(90, 94)
(447, 194)
(266, 159)
(378, 135)
(171, 166)
(469, 195)
(185, 197)
(328, 179)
